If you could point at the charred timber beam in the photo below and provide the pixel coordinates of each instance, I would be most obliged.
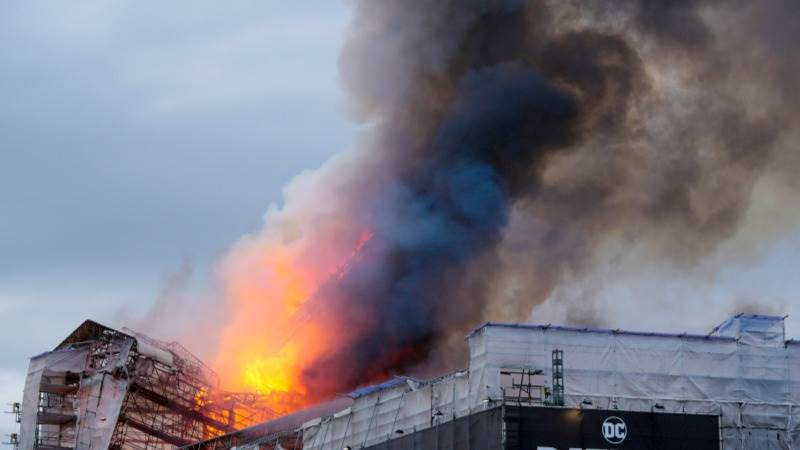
(168, 438)
(155, 397)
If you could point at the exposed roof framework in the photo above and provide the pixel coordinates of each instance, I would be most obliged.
(105, 388)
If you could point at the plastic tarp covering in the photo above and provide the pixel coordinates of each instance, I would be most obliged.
(30, 400)
(754, 330)
(54, 362)
(101, 398)
(391, 410)
(744, 372)
(153, 352)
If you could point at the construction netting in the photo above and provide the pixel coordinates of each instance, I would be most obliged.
(65, 406)
(744, 372)
(392, 411)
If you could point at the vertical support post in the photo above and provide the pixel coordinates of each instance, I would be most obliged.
(558, 377)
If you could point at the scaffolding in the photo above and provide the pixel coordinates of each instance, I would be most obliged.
(13, 438)
(103, 388)
(558, 377)
(521, 386)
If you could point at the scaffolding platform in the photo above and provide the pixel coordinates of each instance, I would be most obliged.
(112, 389)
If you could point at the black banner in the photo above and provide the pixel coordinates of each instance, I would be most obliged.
(530, 428)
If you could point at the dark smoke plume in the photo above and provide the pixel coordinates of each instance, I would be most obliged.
(511, 141)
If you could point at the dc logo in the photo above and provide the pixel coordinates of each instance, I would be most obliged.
(614, 430)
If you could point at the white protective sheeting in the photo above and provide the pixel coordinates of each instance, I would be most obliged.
(101, 399)
(30, 402)
(94, 405)
(153, 352)
(744, 371)
(392, 410)
(49, 366)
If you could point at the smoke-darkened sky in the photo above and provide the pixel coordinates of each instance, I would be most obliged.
(138, 141)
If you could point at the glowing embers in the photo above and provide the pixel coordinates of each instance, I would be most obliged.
(282, 321)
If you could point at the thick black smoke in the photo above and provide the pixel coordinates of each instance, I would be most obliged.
(512, 139)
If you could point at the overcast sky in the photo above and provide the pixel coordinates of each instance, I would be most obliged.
(138, 137)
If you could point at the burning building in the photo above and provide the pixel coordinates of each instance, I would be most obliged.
(511, 148)
(526, 387)
(107, 389)
(550, 387)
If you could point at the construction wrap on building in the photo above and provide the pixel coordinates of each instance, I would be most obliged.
(744, 373)
(56, 413)
(107, 389)
(527, 387)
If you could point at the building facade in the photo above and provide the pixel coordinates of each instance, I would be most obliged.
(527, 387)
(737, 388)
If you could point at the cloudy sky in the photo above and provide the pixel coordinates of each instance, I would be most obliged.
(140, 137)
(139, 140)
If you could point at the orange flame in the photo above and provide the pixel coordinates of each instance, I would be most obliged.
(274, 333)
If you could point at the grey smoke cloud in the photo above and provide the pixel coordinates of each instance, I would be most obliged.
(515, 146)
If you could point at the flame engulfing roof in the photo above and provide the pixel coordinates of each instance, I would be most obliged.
(144, 394)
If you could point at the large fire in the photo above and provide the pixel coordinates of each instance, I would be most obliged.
(508, 149)
(277, 329)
